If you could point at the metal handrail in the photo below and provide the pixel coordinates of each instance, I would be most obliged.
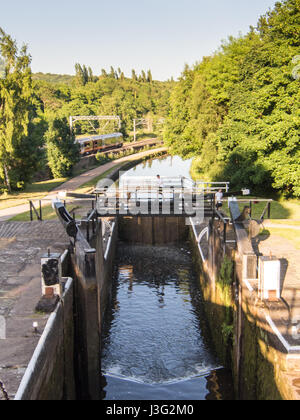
(145, 180)
(93, 217)
(225, 224)
(153, 189)
(267, 209)
(33, 210)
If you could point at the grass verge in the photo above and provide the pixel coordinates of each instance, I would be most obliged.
(283, 210)
(289, 234)
(35, 191)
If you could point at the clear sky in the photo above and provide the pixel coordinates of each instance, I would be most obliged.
(161, 35)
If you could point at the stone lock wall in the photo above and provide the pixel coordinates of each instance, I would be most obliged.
(50, 374)
(237, 320)
(152, 230)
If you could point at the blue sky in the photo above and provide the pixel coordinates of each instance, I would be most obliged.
(161, 35)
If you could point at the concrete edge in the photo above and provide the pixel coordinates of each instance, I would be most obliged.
(107, 252)
(34, 362)
(198, 239)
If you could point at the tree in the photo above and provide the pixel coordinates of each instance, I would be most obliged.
(90, 75)
(112, 72)
(237, 111)
(62, 151)
(133, 75)
(2, 68)
(85, 74)
(149, 77)
(107, 96)
(78, 75)
(103, 73)
(17, 111)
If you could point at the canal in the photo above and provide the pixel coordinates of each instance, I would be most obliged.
(156, 344)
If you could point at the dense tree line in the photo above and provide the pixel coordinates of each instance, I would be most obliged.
(238, 111)
(110, 93)
(34, 112)
(20, 126)
(55, 79)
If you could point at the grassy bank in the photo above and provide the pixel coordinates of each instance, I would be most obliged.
(288, 234)
(49, 213)
(285, 211)
(35, 191)
(39, 190)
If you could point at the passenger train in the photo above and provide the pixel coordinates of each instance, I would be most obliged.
(105, 142)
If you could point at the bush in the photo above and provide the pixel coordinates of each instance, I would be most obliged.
(226, 272)
(102, 158)
(62, 151)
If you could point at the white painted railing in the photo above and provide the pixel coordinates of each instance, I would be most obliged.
(167, 182)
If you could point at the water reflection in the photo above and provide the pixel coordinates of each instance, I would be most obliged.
(166, 166)
(155, 342)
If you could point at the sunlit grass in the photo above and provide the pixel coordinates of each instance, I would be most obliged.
(39, 190)
(48, 213)
(293, 206)
(290, 234)
(283, 211)
(34, 191)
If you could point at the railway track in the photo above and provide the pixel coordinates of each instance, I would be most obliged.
(135, 146)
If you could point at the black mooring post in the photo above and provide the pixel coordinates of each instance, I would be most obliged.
(225, 232)
(250, 209)
(88, 230)
(31, 215)
(269, 210)
(93, 225)
(41, 218)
